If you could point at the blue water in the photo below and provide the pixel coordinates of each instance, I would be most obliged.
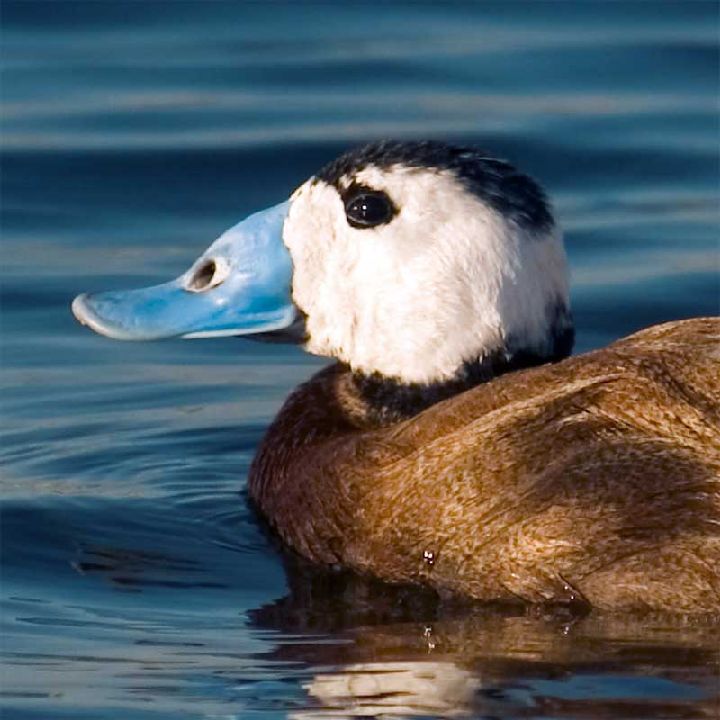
(136, 583)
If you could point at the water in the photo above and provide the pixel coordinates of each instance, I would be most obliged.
(136, 582)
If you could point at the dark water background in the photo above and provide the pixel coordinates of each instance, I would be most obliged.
(136, 583)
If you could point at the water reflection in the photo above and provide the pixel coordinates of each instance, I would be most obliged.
(400, 653)
(340, 646)
(393, 689)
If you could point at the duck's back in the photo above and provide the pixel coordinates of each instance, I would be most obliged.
(597, 477)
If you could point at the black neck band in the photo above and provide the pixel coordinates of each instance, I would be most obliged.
(388, 400)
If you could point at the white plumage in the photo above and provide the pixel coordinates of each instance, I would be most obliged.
(447, 280)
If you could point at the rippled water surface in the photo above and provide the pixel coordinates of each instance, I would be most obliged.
(136, 582)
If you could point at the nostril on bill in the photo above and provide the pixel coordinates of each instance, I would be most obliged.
(207, 274)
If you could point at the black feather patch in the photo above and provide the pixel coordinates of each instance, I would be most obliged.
(504, 188)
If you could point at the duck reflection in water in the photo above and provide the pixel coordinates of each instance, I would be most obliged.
(392, 652)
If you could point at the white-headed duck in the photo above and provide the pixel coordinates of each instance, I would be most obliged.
(455, 443)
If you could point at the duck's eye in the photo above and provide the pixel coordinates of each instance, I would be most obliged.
(368, 209)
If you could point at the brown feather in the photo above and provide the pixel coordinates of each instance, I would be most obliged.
(595, 478)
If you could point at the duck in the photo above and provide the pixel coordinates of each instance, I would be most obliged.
(454, 443)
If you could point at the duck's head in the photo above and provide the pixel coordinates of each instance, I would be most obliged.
(405, 259)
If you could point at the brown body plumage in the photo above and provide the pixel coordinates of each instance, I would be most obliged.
(596, 478)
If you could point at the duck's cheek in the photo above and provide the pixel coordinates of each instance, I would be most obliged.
(325, 288)
(366, 309)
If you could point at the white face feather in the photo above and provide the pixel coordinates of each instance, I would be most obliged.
(447, 280)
